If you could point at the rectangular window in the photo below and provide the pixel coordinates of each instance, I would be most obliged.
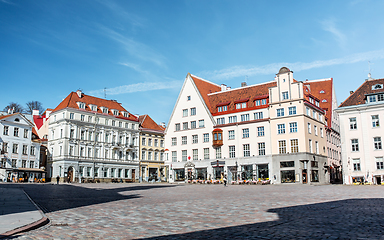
(282, 147)
(15, 148)
(24, 164)
(219, 109)
(174, 156)
(315, 128)
(246, 150)
(308, 112)
(6, 130)
(309, 128)
(292, 110)
(380, 97)
(377, 143)
(225, 108)
(321, 132)
(177, 127)
(31, 164)
(194, 139)
(193, 124)
(33, 150)
(183, 155)
(231, 134)
(25, 150)
(372, 98)
(314, 114)
(16, 132)
(310, 145)
(161, 143)
(174, 141)
(232, 119)
(258, 115)
(184, 140)
(185, 112)
(218, 152)
(263, 101)
(25, 133)
(220, 121)
(356, 164)
(82, 118)
(287, 164)
(156, 142)
(150, 142)
(257, 103)
(185, 125)
(246, 133)
(285, 95)
(280, 128)
(317, 147)
(71, 116)
(293, 127)
(355, 145)
(193, 111)
(280, 112)
(294, 145)
(232, 152)
(206, 137)
(201, 123)
(244, 117)
(206, 153)
(379, 163)
(260, 131)
(375, 121)
(195, 154)
(352, 123)
(261, 147)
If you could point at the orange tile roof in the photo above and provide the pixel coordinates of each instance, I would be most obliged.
(205, 88)
(233, 96)
(318, 86)
(71, 102)
(358, 97)
(147, 122)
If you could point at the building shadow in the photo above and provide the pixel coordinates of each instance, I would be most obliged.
(52, 198)
(344, 219)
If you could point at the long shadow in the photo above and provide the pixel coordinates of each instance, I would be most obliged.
(345, 219)
(52, 198)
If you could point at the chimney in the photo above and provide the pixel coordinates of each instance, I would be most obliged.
(162, 124)
(228, 88)
(350, 92)
(223, 87)
(243, 84)
(35, 112)
(79, 93)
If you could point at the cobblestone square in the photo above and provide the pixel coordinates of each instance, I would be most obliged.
(194, 211)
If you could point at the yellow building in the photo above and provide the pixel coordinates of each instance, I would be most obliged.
(151, 147)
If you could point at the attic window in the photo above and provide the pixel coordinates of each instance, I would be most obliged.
(81, 105)
(324, 100)
(126, 114)
(93, 108)
(222, 108)
(115, 112)
(322, 91)
(188, 98)
(17, 120)
(105, 110)
(377, 86)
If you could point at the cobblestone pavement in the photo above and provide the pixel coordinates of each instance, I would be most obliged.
(165, 211)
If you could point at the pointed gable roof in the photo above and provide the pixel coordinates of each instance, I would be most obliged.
(73, 98)
(323, 89)
(205, 87)
(147, 123)
(359, 96)
(14, 114)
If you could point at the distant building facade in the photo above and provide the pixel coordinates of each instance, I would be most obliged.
(361, 115)
(20, 152)
(92, 139)
(151, 145)
(275, 131)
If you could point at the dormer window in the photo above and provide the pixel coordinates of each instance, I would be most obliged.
(377, 86)
(105, 110)
(81, 105)
(322, 91)
(125, 114)
(115, 112)
(324, 100)
(372, 98)
(93, 107)
(317, 103)
(222, 108)
(241, 105)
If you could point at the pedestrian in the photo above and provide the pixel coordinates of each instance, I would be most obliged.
(225, 180)
(57, 179)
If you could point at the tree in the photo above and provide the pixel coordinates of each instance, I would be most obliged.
(34, 105)
(15, 107)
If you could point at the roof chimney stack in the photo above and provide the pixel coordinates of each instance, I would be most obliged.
(162, 124)
(223, 87)
(243, 84)
(350, 92)
(79, 93)
(35, 112)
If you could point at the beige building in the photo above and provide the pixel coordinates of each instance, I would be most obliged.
(151, 145)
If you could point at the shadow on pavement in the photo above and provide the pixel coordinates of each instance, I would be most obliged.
(52, 198)
(345, 219)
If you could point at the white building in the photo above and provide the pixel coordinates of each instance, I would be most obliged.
(273, 131)
(19, 153)
(92, 139)
(361, 133)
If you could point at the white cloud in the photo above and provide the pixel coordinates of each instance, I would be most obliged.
(6, 1)
(329, 26)
(135, 67)
(241, 71)
(137, 87)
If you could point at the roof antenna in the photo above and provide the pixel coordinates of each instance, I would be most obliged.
(105, 93)
(369, 73)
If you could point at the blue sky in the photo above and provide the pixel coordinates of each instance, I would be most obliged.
(141, 51)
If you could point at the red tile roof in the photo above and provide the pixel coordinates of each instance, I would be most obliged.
(358, 97)
(147, 123)
(322, 90)
(205, 88)
(71, 102)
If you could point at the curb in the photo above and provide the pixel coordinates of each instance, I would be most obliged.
(39, 223)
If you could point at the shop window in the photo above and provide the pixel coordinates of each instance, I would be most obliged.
(247, 172)
(315, 176)
(179, 174)
(287, 164)
(262, 172)
(287, 176)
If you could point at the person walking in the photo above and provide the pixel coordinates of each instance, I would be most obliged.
(57, 179)
(225, 180)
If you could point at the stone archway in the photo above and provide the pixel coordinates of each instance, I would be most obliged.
(71, 174)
